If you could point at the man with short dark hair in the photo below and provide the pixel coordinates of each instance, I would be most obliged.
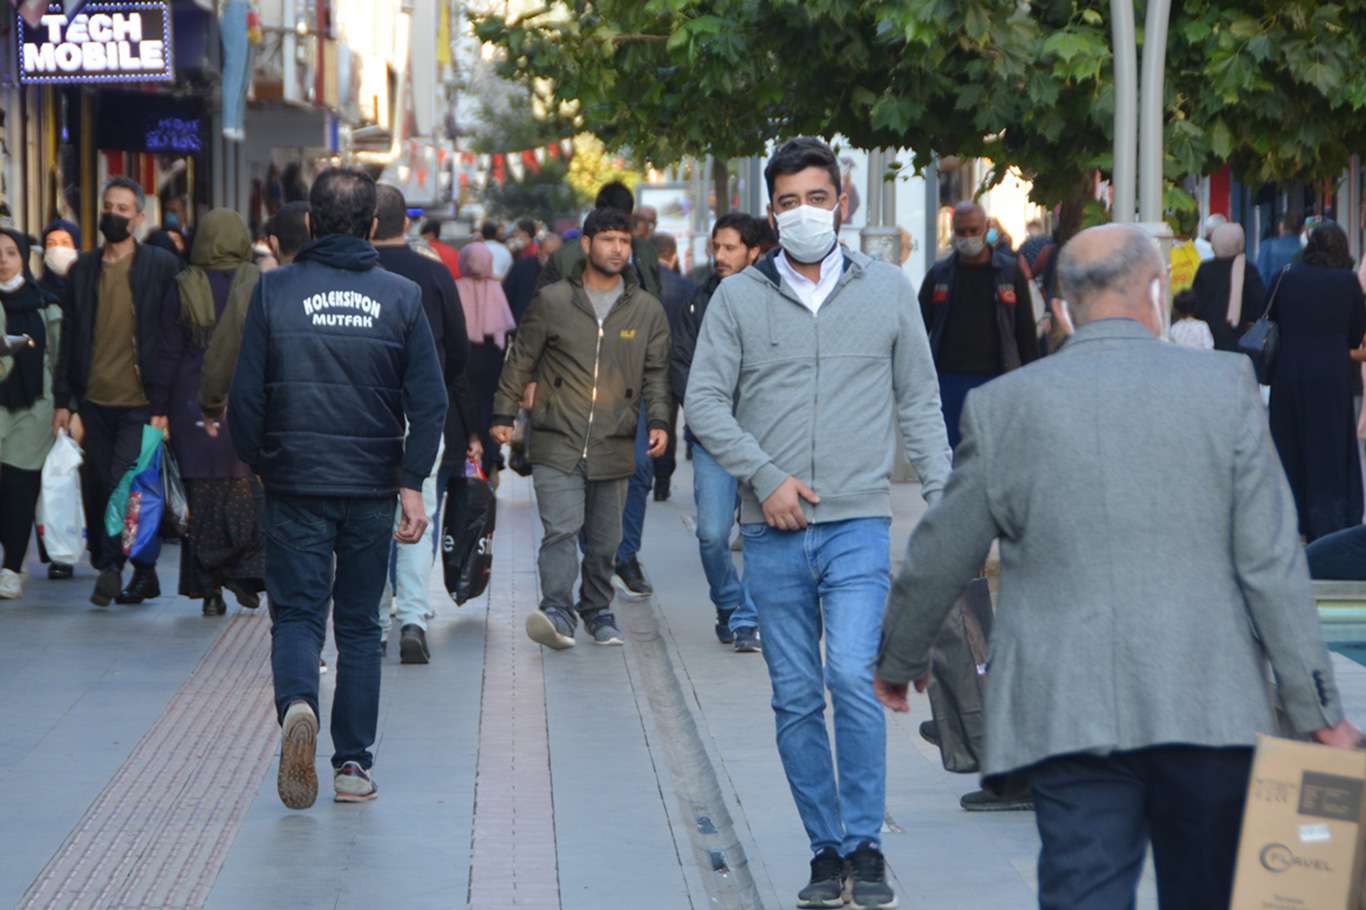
(644, 222)
(431, 234)
(735, 247)
(502, 256)
(977, 310)
(412, 563)
(594, 346)
(106, 368)
(522, 243)
(1275, 253)
(805, 366)
(287, 231)
(644, 256)
(1137, 613)
(337, 404)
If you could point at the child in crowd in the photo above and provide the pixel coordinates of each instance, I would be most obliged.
(1188, 330)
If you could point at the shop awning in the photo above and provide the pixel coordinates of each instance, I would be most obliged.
(34, 10)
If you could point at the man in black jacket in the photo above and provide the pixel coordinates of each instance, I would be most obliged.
(735, 246)
(105, 368)
(337, 403)
(412, 563)
(675, 293)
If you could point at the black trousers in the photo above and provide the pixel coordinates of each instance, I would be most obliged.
(1097, 815)
(666, 464)
(483, 369)
(18, 501)
(113, 440)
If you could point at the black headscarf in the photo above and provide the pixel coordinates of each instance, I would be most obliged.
(24, 316)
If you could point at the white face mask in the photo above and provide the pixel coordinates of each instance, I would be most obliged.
(59, 259)
(9, 286)
(807, 233)
(969, 246)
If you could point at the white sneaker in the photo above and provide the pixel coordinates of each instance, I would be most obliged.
(298, 781)
(11, 585)
(354, 784)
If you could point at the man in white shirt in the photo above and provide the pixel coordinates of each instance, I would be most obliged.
(502, 256)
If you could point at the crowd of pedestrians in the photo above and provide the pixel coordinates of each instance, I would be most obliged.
(324, 391)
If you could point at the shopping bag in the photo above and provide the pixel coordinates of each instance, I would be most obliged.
(61, 518)
(958, 679)
(135, 507)
(175, 516)
(467, 535)
(117, 509)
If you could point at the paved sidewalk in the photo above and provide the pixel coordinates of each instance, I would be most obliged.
(139, 745)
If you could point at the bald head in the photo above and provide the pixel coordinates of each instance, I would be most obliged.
(1107, 272)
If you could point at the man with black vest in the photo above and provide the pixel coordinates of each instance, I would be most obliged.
(338, 403)
(977, 312)
(110, 338)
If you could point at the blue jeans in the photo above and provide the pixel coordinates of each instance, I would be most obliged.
(714, 492)
(637, 494)
(305, 537)
(1340, 556)
(953, 394)
(830, 578)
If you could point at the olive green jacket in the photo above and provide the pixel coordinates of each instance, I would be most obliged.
(26, 436)
(561, 348)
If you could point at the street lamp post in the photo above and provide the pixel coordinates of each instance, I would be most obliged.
(1153, 107)
(1124, 173)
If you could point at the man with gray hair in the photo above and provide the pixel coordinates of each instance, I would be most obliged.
(1138, 609)
(105, 370)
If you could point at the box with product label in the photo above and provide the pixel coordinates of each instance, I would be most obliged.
(1302, 845)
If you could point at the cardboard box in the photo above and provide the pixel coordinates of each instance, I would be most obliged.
(1302, 846)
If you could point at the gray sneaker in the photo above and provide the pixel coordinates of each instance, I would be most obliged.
(297, 783)
(354, 784)
(603, 628)
(551, 629)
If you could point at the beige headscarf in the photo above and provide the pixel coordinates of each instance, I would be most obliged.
(1229, 242)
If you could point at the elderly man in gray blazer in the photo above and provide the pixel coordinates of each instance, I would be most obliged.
(1150, 567)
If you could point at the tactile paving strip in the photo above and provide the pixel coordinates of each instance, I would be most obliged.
(512, 853)
(158, 833)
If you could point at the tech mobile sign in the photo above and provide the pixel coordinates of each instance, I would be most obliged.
(107, 42)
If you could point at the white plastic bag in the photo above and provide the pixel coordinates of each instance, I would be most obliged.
(61, 519)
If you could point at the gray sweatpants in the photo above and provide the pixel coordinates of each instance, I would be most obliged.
(570, 504)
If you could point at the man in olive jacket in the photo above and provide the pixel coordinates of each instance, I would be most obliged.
(592, 347)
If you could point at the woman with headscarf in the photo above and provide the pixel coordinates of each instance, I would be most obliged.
(1322, 317)
(1229, 290)
(488, 319)
(224, 546)
(25, 402)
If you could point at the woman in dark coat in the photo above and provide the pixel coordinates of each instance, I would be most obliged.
(1322, 317)
(1229, 291)
(224, 547)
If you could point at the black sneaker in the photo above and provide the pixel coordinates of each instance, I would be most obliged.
(246, 597)
(929, 732)
(827, 881)
(723, 633)
(107, 587)
(631, 580)
(144, 586)
(868, 888)
(59, 571)
(747, 640)
(661, 491)
(602, 625)
(1018, 800)
(214, 606)
(412, 645)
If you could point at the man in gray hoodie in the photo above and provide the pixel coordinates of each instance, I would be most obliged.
(807, 364)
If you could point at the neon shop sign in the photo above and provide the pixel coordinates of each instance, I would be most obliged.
(107, 42)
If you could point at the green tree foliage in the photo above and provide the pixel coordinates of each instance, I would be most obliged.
(1273, 86)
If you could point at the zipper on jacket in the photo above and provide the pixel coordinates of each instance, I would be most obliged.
(593, 400)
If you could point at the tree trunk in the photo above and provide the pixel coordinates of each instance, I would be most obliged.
(1073, 214)
(720, 175)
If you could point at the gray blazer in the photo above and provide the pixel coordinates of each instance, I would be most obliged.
(1150, 557)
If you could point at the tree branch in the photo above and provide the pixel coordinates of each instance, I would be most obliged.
(640, 39)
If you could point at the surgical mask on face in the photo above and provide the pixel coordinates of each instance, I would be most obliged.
(969, 246)
(59, 259)
(992, 236)
(807, 233)
(10, 285)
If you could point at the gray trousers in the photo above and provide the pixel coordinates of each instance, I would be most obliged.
(575, 509)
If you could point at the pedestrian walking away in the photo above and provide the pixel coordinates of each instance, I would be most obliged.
(489, 321)
(224, 547)
(1228, 288)
(410, 567)
(338, 404)
(735, 245)
(676, 291)
(26, 402)
(106, 370)
(595, 350)
(1090, 681)
(806, 365)
(976, 307)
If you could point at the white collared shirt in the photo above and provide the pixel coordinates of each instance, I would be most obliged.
(813, 293)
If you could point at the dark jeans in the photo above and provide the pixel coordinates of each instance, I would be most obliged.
(113, 441)
(18, 501)
(1097, 815)
(1339, 557)
(323, 552)
(484, 368)
(953, 394)
(666, 464)
(637, 495)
